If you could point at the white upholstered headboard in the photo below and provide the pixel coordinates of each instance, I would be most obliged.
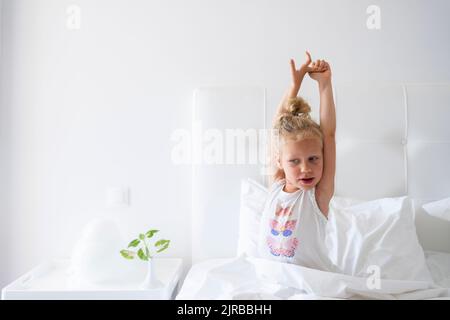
(391, 140)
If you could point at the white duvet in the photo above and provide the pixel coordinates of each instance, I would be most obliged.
(255, 278)
(373, 250)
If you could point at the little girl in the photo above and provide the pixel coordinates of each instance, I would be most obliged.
(296, 212)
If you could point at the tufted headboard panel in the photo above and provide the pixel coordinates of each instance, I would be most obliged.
(391, 140)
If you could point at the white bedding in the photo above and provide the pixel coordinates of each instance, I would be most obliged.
(254, 278)
(439, 265)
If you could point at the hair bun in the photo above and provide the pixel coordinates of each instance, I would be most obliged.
(298, 107)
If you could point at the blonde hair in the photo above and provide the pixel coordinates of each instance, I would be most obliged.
(294, 123)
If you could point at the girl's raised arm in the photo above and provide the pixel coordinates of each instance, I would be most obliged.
(325, 187)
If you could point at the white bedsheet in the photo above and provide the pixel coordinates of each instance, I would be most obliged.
(254, 278)
(439, 265)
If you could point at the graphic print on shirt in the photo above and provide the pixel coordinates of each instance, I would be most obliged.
(280, 240)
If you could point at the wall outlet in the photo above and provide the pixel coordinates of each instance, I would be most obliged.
(117, 197)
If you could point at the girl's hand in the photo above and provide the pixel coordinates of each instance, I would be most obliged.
(306, 67)
(320, 76)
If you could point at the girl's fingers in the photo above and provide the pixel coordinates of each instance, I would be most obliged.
(318, 66)
(292, 66)
(308, 58)
(322, 64)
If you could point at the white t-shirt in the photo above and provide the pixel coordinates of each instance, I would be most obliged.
(292, 229)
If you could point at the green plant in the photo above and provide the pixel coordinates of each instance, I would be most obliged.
(143, 248)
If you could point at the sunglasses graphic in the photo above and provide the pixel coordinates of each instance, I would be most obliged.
(285, 229)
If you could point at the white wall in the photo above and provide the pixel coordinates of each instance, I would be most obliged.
(4, 144)
(95, 107)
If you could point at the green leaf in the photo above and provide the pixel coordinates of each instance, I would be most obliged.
(164, 243)
(161, 242)
(127, 254)
(163, 248)
(142, 255)
(141, 236)
(134, 243)
(147, 252)
(150, 233)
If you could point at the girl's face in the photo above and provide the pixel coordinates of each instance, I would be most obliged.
(302, 163)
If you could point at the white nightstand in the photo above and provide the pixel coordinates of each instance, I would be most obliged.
(49, 281)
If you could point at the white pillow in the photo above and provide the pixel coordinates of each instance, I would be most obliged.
(376, 235)
(253, 199)
(439, 209)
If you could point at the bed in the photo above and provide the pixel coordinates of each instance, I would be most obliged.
(393, 140)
